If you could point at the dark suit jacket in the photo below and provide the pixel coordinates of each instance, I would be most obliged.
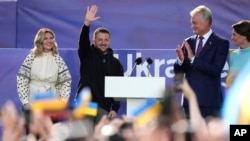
(204, 74)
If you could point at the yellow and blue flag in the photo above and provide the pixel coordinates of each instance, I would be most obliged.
(83, 105)
(90, 109)
(236, 107)
(47, 102)
(148, 111)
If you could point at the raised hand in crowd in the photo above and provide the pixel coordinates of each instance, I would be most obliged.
(209, 129)
(13, 125)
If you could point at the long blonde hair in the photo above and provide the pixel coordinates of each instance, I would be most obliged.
(38, 49)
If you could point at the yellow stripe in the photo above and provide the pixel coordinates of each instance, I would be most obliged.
(49, 105)
(148, 115)
(81, 112)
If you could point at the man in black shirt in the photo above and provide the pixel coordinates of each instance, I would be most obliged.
(96, 62)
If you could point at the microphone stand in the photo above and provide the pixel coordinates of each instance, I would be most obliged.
(149, 61)
(132, 70)
(137, 62)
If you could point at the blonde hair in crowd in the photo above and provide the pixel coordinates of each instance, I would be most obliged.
(38, 48)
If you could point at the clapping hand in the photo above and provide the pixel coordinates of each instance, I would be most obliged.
(189, 50)
(180, 53)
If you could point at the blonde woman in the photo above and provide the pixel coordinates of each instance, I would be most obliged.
(43, 70)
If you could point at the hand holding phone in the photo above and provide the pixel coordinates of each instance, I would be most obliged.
(178, 80)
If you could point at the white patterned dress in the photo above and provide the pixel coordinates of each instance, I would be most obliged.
(43, 74)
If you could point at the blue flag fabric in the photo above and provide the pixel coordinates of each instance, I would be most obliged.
(234, 110)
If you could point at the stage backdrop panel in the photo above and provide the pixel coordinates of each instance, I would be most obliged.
(134, 24)
(162, 66)
(8, 20)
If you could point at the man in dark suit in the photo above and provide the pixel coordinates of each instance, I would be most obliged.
(202, 58)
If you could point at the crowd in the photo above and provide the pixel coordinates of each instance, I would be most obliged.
(170, 124)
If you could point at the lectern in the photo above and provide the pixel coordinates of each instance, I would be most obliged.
(134, 89)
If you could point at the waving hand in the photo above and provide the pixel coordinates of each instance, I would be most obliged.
(91, 15)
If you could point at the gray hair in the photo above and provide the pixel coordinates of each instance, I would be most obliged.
(205, 11)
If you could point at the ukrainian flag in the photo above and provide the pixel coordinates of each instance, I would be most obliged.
(148, 111)
(236, 107)
(90, 109)
(85, 97)
(47, 102)
(83, 105)
(49, 105)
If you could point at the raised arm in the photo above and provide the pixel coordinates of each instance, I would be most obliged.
(91, 15)
(198, 123)
(84, 41)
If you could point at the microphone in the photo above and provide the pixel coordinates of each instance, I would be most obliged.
(138, 61)
(149, 61)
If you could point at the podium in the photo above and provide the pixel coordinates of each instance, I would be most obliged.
(134, 89)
